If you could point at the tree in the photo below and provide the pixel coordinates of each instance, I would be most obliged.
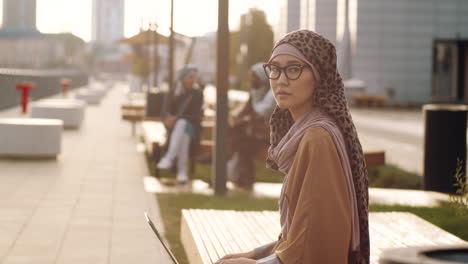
(251, 44)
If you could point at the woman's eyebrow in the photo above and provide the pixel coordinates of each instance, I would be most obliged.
(287, 63)
(294, 62)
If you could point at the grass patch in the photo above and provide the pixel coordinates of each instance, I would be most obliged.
(390, 176)
(172, 204)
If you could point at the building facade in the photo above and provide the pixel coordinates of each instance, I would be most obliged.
(23, 46)
(108, 21)
(19, 15)
(412, 51)
(395, 43)
(204, 57)
(290, 17)
(321, 16)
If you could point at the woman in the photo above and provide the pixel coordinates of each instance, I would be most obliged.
(249, 130)
(323, 202)
(183, 121)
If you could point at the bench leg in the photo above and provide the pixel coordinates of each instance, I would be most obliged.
(155, 157)
(133, 128)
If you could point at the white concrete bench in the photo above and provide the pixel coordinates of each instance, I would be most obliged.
(99, 91)
(89, 96)
(208, 235)
(71, 112)
(30, 137)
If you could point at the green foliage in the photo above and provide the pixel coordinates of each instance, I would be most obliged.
(203, 172)
(263, 174)
(390, 176)
(459, 201)
(387, 176)
(251, 44)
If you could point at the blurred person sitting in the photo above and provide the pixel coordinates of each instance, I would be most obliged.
(183, 122)
(249, 129)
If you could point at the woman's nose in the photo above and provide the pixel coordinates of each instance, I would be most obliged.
(283, 79)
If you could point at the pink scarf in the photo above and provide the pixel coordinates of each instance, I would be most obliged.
(283, 155)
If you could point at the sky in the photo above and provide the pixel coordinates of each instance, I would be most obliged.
(191, 17)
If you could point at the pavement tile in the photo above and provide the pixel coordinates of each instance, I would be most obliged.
(87, 205)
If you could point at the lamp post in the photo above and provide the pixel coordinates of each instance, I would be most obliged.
(171, 52)
(222, 83)
(156, 55)
(170, 64)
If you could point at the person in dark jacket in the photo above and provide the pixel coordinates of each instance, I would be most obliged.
(183, 122)
(249, 129)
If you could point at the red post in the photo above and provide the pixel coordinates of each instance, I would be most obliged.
(25, 88)
(65, 82)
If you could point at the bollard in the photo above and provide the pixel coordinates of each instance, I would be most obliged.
(25, 88)
(444, 144)
(65, 83)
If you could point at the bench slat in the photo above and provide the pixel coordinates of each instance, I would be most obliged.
(191, 237)
(262, 236)
(244, 241)
(211, 242)
(271, 230)
(230, 245)
(217, 232)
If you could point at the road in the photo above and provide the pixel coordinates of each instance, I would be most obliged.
(399, 132)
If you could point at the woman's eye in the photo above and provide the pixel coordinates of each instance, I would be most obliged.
(275, 69)
(294, 69)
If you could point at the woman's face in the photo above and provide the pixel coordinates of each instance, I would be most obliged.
(189, 81)
(295, 95)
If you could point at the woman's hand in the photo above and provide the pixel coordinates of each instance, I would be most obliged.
(242, 257)
(170, 121)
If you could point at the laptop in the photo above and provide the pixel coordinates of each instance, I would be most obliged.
(174, 260)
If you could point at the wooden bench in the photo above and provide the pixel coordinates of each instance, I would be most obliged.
(208, 235)
(133, 113)
(155, 136)
(373, 158)
(368, 100)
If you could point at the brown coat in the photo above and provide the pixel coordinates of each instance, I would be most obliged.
(319, 205)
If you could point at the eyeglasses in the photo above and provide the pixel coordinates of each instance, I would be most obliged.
(292, 72)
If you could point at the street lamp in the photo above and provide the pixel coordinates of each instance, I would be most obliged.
(222, 75)
(156, 55)
(171, 52)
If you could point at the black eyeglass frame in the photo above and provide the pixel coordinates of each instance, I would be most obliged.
(283, 69)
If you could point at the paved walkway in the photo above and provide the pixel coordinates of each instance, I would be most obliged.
(85, 207)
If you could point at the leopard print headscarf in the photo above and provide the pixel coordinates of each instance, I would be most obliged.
(329, 96)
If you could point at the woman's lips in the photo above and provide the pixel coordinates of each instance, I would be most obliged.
(283, 93)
